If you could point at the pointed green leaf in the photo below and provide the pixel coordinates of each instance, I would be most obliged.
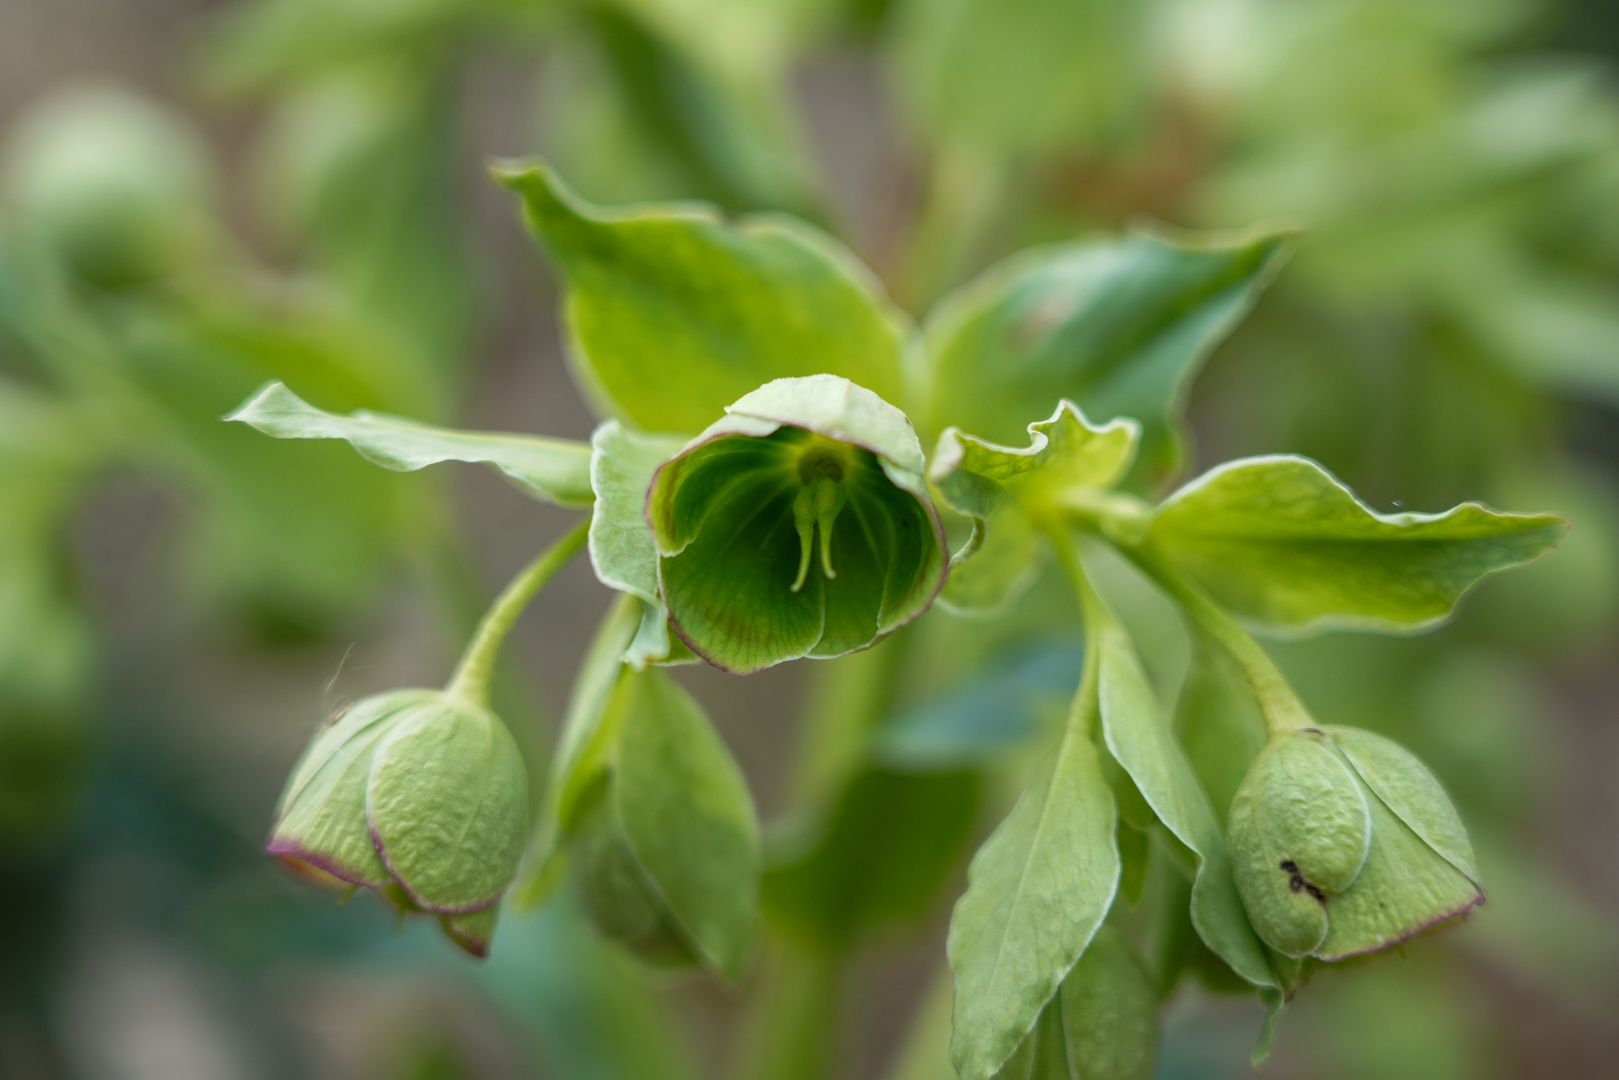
(1117, 326)
(1037, 891)
(447, 803)
(1138, 736)
(1288, 547)
(660, 288)
(555, 470)
(687, 817)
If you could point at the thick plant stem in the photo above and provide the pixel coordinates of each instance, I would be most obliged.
(1280, 706)
(793, 1033)
(471, 679)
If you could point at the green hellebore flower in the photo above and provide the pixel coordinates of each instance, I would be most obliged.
(797, 525)
(417, 794)
(1343, 844)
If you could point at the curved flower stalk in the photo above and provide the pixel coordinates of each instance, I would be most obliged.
(798, 525)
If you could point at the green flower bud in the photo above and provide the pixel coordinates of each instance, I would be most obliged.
(1343, 843)
(798, 525)
(417, 794)
(109, 183)
(614, 890)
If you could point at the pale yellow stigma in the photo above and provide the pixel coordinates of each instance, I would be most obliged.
(816, 507)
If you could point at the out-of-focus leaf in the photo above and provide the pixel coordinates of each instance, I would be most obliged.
(1018, 76)
(555, 470)
(1218, 722)
(1037, 891)
(1286, 546)
(658, 288)
(1002, 708)
(687, 817)
(1116, 326)
(583, 748)
(879, 859)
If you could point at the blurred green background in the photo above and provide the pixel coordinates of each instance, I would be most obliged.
(198, 196)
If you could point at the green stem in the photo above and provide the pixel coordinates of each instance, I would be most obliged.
(471, 679)
(793, 1033)
(1282, 709)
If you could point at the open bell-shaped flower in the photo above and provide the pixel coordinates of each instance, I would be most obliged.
(1343, 844)
(420, 795)
(797, 525)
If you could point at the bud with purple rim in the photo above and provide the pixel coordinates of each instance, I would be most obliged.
(419, 795)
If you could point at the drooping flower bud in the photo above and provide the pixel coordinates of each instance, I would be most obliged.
(798, 525)
(1343, 843)
(418, 794)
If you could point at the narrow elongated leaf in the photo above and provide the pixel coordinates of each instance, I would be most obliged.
(654, 289)
(1138, 736)
(1117, 326)
(687, 817)
(1288, 547)
(1037, 891)
(554, 470)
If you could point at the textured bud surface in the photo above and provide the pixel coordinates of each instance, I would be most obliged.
(1334, 858)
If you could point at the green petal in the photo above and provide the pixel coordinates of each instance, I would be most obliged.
(555, 470)
(1286, 546)
(321, 817)
(661, 288)
(1404, 889)
(448, 805)
(1412, 792)
(1300, 831)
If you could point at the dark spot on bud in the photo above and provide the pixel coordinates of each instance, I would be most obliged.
(1296, 883)
(1290, 866)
